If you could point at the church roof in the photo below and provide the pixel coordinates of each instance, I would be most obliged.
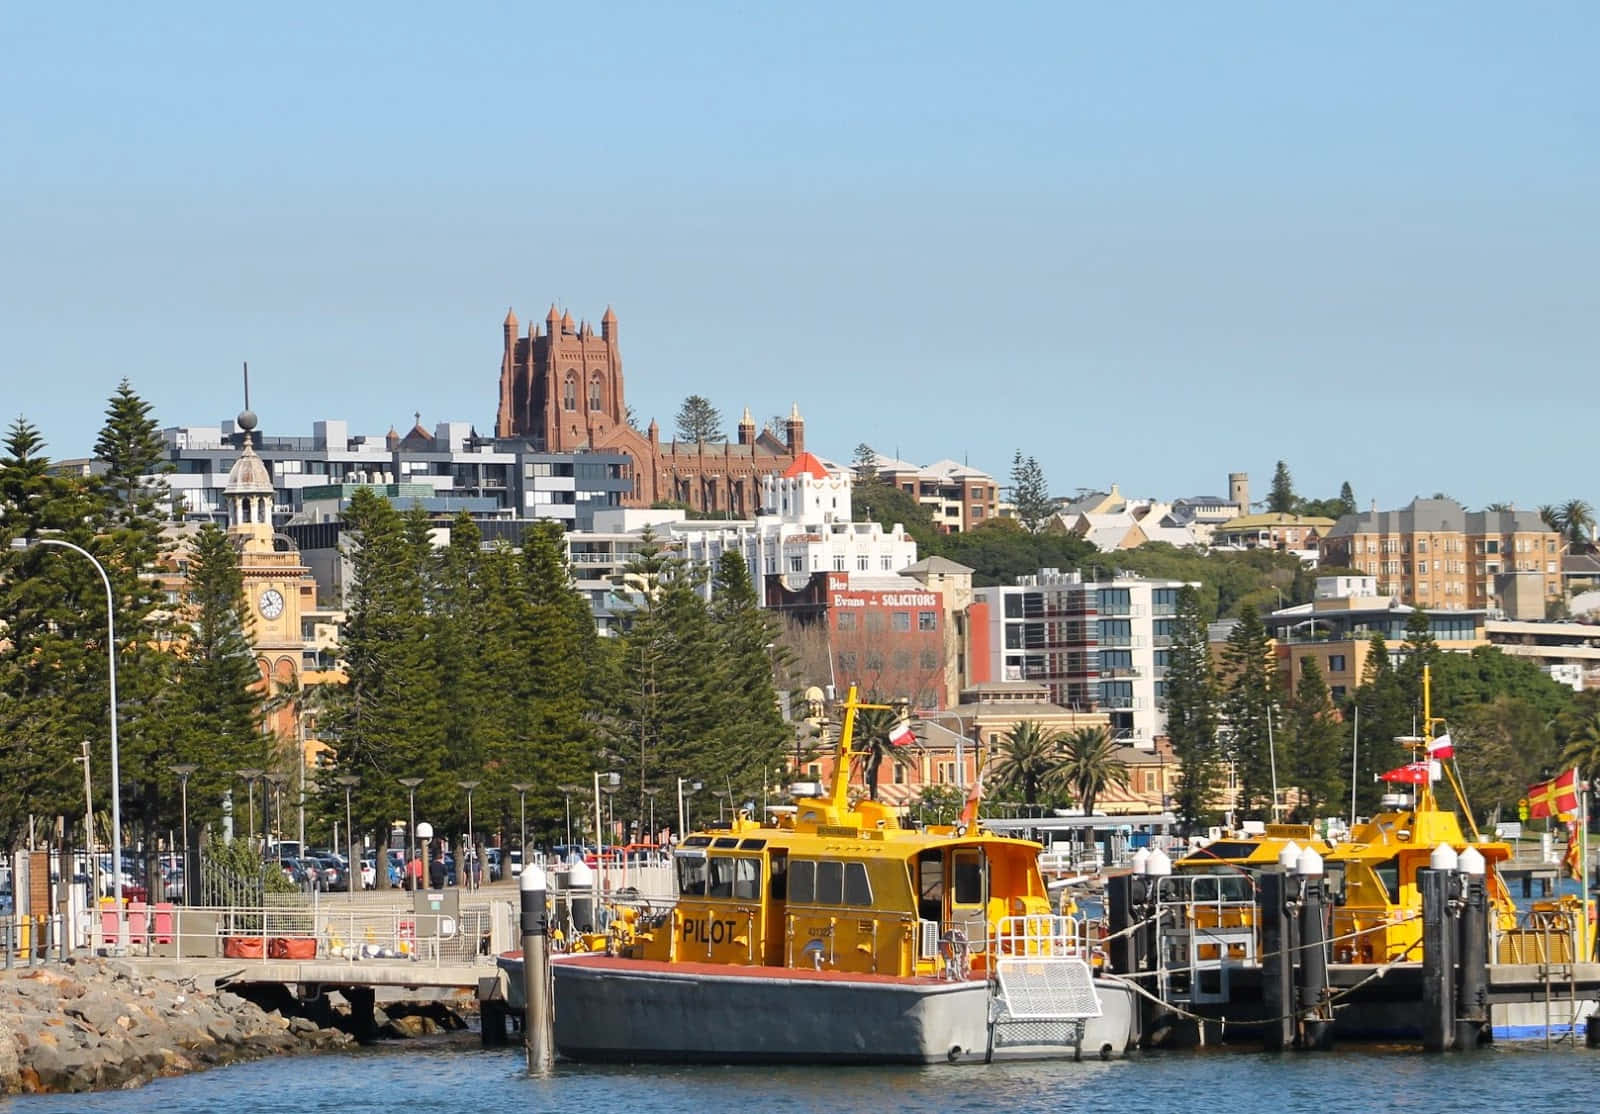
(806, 464)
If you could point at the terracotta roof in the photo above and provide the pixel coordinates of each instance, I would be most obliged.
(806, 464)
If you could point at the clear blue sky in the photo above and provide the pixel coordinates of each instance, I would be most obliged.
(1145, 243)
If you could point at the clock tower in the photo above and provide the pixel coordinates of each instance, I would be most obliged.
(277, 586)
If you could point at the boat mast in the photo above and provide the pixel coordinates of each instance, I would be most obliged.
(840, 797)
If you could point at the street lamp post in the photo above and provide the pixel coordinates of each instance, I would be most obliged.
(686, 791)
(722, 796)
(411, 784)
(522, 788)
(470, 853)
(116, 772)
(184, 770)
(250, 777)
(353, 868)
(275, 821)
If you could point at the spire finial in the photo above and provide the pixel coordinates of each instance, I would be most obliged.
(247, 417)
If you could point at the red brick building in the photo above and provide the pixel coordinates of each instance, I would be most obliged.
(561, 387)
(884, 634)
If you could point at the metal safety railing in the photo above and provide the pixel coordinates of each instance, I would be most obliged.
(1042, 934)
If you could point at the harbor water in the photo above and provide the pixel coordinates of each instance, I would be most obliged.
(456, 1077)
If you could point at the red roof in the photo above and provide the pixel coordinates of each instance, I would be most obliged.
(808, 465)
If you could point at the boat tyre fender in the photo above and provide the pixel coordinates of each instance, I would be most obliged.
(954, 1054)
(1106, 1051)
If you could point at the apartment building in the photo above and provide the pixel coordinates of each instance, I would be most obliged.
(1436, 555)
(958, 496)
(1097, 645)
(1337, 626)
(451, 469)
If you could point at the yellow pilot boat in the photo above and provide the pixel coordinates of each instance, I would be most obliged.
(829, 933)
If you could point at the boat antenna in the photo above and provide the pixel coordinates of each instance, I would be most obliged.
(841, 772)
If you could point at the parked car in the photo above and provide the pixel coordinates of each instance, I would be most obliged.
(369, 874)
(516, 863)
(496, 858)
(332, 871)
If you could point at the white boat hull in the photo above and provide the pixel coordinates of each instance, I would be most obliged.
(632, 1010)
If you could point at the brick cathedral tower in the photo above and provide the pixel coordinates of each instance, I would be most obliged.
(561, 385)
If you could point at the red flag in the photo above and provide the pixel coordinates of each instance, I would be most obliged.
(1555, 797)
(1412, 773)
(969, 811)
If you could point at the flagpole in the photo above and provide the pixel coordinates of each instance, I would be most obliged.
(1272, 759)
(1583, 858)
(1355, 745)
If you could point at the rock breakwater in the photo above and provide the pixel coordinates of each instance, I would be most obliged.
(96, 1024)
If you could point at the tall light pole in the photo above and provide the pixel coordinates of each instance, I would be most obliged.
(522, 788)
(250, 777)
(353, 868)
(278, 781)
(411, 784)
(184, 770)
(471, 852)
(116, 771)
(651, 791)
(686, 791)
(722, 796)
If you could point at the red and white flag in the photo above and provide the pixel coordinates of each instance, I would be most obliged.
(902, 735)
(1442, 747)
(969, 809)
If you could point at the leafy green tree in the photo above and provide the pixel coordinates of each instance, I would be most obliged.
(748, 637)
(132, 511)
(699, 421)
(1090, 765)
(1030, 494)
(1502, 747)
(887, 505)
(865, 463)
(1420, 654)
(1248, 683)
(1381, 716)
(1314, 742)
(938, 804)
(217, 720)
(1029, 761)
(1282, 499)
(1191, 711)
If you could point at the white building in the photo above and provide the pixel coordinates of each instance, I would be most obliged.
(1099, 645)
(805, 527)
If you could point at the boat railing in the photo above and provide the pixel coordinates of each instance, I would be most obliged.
(1041, 934)
(1546, 934)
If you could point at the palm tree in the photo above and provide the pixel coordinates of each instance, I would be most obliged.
(871, 745)
(1583, 748)
(1092, 765)
(1029, 760)
(1551, 517)
(1577, 521)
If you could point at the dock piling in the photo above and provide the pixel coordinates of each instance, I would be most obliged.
(1472, 954)
(537, 1031)
(1277, 962)
(1438, 959)
(1315, 1013)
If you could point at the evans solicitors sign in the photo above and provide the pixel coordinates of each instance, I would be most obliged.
(885, 599)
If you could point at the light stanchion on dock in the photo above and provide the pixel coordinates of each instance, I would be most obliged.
(537, 1031)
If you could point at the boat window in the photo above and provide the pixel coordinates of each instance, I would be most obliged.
(830, 883)
(802, 880)
(726, 841)
(752, 844)
(967, 872)
(1388, 875)
(747, 879)
(720, 878)
(691, 876)
(697, 841)
(857, 890)
(930, 886)
(778, 885)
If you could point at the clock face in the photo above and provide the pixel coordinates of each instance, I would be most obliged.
(271, 603)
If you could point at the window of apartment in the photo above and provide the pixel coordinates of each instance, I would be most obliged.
(1337, 692)
(874, 621)
(846, 621)
(977, 510)
(1335, 663)
(847, 662)
(1491, 547)
(930, 659)
(594, 394)
(569, 397)
(902, 660)
(887, 562)
(796, 564)
(838, 562)
(1422, 545)
(874, 661)
(927, 620)
(900, 621)
(861, 562)
(772, 564)
(899, 773)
